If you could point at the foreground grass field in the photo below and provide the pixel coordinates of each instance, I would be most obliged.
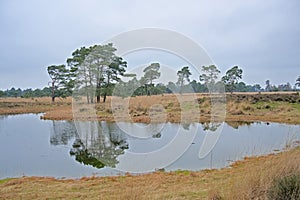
(271, 107)
(247, 179)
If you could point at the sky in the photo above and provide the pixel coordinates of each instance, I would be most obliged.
(261, 37)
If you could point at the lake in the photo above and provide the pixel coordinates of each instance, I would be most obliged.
(64, 149)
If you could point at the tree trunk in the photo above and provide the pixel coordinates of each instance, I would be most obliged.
(98, 82)
(105, 94)
(92, 99)
(98, 92)
(104, 97)
(105, 91)
(87, 98)
(147, 92)
(53, 91)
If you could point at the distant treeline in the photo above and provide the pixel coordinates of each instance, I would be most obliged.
(26, 93)
(159, 88)
(96, 71)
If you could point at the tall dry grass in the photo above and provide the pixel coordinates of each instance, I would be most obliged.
(257, 179)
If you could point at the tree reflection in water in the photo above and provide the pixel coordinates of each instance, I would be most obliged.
(96, 143)
(237, 124)
(62, 132)
(211, 126)
(2, 118)
(234, 124)
(83, 156)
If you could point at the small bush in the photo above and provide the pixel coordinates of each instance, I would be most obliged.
(287, 187)
(170, 104)
(109, 111)
(201, 100)
(278, 99)
(267, 107)
(247, 108)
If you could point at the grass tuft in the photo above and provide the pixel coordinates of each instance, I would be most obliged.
(286, 187)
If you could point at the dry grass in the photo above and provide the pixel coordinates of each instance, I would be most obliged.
(247, 179)
(170, 107)
(255, 183)
(36, 105)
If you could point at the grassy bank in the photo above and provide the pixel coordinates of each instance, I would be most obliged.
(271, 107)
(247, 179)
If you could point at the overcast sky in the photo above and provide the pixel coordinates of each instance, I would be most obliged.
(262, 37)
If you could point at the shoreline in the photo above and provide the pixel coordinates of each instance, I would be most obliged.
(295, 147)
(229, 120)
(274, 107)
(189, 184)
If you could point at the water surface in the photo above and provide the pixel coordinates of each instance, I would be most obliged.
(33, 147)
